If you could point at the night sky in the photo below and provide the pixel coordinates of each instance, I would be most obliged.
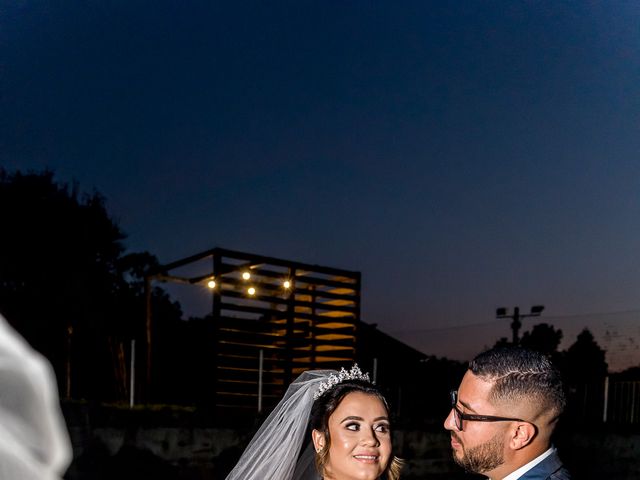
(462, 155)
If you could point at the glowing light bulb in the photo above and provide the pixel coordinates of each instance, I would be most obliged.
(211, 284)
(286, 284)
(251, 291)
(246, 275)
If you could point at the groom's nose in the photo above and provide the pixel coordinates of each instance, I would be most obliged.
(449, 422)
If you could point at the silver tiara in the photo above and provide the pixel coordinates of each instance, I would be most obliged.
(333, 380)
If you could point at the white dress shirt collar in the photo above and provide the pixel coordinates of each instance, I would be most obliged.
(525, 468)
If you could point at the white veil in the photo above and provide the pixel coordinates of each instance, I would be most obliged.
(34, 444)
(274, 451)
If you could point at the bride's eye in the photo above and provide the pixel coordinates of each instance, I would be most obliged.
(354, 427)
(382, 428)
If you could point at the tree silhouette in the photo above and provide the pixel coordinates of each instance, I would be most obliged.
(543, 338)
(502, 342)
(584, 369)
(584, 361)
(631, 373)
(65, 284)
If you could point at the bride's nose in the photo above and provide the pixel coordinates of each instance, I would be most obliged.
(369, 437)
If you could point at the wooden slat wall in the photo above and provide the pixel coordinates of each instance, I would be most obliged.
(311, 325)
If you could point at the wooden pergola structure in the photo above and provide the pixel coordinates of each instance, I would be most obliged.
(270, 320)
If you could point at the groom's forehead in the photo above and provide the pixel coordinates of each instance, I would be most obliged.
(474, 390)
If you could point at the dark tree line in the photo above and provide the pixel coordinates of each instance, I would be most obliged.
(583, 361)
(67, 284)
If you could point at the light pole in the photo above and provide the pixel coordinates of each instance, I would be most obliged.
(502, 312)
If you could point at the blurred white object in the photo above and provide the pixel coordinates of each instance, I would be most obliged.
(34, 443)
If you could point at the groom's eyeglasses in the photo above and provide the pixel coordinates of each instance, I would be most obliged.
(460, 416)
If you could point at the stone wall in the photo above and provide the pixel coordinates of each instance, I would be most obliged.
(120, 444)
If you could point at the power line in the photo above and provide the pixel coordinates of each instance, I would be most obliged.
(498, 322)
(599, 314)
(453, 327)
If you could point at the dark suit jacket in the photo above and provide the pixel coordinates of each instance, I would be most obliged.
(549, 469)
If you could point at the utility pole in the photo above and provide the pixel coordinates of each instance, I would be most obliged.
(502, 312)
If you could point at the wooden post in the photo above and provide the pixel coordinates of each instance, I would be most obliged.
(147, 298)
(260, 370)
(132, 374)
(606, 399)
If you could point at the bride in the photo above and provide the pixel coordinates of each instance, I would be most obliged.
(331, 425)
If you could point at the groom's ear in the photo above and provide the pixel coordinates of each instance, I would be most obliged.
(523, 435)
(318, 440)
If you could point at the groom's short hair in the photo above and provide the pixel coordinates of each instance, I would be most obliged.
(520, 374)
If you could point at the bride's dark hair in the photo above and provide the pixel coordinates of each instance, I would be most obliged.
(324, 406)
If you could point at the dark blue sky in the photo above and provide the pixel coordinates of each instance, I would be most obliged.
(461, 155)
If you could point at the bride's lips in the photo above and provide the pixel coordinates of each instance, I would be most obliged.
(367, 458)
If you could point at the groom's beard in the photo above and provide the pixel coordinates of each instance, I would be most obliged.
(481, 458)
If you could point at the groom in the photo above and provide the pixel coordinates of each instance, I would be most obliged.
(503, 414)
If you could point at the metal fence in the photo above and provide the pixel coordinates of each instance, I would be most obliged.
(611, 401)
(622, 402)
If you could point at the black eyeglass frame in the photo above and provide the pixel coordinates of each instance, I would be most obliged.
(459, 416)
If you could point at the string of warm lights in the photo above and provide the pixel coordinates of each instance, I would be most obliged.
(251, 290)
